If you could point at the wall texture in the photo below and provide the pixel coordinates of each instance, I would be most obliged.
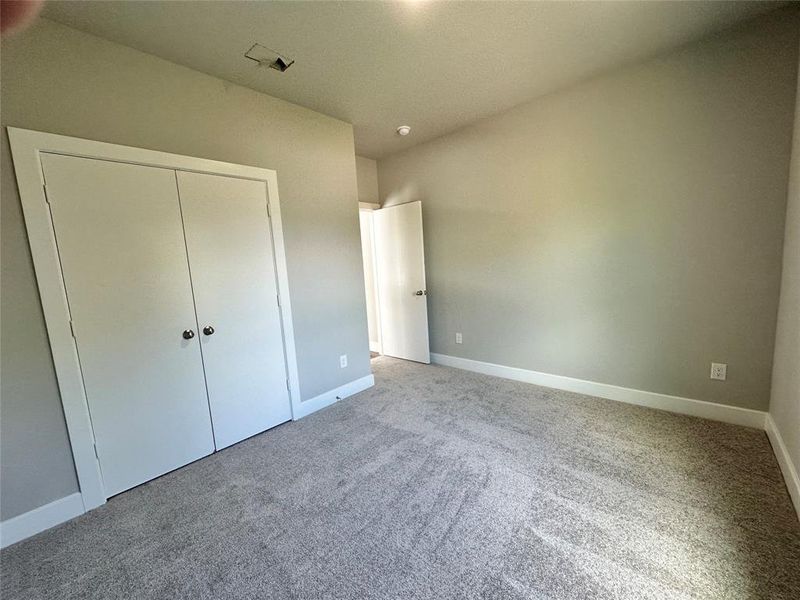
(784, 406)
(367, 173)
(60, 80)
(627, 230)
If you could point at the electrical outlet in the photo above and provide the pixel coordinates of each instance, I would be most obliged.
(343, 361)
(719, 371)
(459, 340)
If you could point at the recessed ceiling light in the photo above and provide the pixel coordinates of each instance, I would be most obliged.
(403, 130)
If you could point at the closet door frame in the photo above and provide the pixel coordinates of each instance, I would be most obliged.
(27, 146)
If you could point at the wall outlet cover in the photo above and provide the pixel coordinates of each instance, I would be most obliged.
(719, 371)
(459, 339)
(343, 361)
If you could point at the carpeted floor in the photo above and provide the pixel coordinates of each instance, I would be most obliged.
(439, 483)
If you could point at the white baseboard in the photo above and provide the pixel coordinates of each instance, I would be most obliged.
(59, 511)
(685, 406)
(375, 347)
(788, 468)
(37, 520)
(326, 399)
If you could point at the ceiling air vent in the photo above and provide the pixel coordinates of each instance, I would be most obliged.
(268, 58)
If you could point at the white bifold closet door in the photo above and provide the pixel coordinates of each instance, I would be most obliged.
(232, 263)
(171, 285)
(120, 241)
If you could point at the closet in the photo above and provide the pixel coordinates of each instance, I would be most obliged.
(171, 287)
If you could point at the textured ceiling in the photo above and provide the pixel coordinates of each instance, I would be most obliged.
(435, 66)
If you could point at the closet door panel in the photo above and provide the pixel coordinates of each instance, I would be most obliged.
(120, 241)
(230, 249)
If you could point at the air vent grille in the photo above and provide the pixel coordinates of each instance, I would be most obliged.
(269, 58)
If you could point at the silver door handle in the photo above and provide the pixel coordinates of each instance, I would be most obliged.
(421, 293)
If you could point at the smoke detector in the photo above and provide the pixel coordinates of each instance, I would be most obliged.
(403, 130)
(268, 58)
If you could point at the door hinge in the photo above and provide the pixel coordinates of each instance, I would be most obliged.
(72, 329)
(269, 210)
(288, 387)
(279, 299)
(44, 189)
(96, 455)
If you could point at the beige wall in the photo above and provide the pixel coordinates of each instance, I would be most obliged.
(627, 230)
(367, 173)
(784, 406)
(60, 80)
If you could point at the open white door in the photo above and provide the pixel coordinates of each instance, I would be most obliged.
(400, 262)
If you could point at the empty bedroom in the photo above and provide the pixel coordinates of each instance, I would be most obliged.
(399, 299)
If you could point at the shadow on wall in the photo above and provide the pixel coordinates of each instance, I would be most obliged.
(408, 193)
(584, 290)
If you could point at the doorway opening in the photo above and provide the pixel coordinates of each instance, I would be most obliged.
(365, 217)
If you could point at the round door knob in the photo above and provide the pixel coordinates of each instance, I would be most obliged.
(208, 330)
(188, 334)
(419, 293)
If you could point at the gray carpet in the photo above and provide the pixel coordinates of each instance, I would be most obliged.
(439, 483)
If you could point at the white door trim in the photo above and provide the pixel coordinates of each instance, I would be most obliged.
(26, 147)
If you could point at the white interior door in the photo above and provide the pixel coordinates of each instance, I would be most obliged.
(120, 242)
(229, 242)
(402, 297)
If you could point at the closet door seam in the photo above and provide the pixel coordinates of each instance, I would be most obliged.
(194, 304)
